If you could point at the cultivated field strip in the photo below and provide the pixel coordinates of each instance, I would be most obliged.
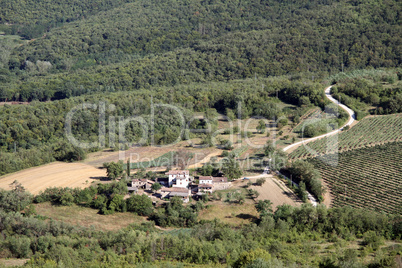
(368, 177)
(368, 132)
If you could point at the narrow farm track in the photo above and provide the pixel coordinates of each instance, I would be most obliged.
(352, 117)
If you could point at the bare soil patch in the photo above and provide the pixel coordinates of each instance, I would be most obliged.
(13, 262)
(145, 153)
(327, 196)
(276, 191)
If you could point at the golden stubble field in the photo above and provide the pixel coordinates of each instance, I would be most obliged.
(57, 174)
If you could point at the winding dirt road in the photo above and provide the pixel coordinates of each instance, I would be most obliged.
(352, 118)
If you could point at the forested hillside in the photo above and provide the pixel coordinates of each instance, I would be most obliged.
(32, 18)
(178, 47)
(143, 44)
(370, 91)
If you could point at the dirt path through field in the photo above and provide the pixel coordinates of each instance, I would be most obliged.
(57, 174)
(206, 159)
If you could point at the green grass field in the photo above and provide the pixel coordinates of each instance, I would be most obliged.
(88, 217)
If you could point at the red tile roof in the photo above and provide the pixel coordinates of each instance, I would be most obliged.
(219, 179)
(178, 172)
(205, 177)
(175, 189)
(205, 185)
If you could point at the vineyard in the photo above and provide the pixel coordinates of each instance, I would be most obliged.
(369, 178)
(368, 132)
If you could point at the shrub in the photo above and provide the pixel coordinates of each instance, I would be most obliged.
(225, 154)
(19, 246)
(67, 199)
(371, 239)
(140, 204)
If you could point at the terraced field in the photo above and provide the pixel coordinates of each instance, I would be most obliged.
(368, 132)
(367, 177)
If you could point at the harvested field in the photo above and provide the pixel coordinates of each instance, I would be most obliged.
(57, 174)
(276, 191)
(135, 154)
(12, 262)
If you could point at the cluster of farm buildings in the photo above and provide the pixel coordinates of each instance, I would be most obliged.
(180, 183)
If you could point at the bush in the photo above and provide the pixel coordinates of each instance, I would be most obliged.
(16, 199)
(19, 246)
(140, 204)
(114, 170)
(247, 258)
(282, 122)
(67, 199)
(372, 240)
(260, 181)
(225, 154)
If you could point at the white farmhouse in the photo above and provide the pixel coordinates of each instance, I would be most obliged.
(178, 178)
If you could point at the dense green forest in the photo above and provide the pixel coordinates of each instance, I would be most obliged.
(288, 237)
(31, 19)
(142, 44)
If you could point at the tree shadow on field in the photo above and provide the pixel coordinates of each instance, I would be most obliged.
(245, 216)
(100, 178)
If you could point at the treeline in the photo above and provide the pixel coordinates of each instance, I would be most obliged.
(204, 41)
(308, 178)
(107, 198)
(35, 134)
(285, 238)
